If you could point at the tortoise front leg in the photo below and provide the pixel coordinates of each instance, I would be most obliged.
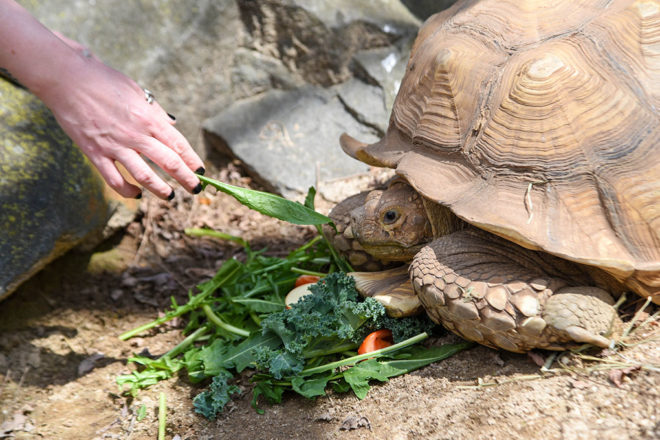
(491, 291)
(391, 288)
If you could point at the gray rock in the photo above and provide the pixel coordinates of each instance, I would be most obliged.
(317, 39)
(390, 15)
(51, 199)
(253, 73)
(281, 136)
(366, 103)
(323, 44)
(385, 67)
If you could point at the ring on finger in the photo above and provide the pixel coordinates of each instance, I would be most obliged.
(149, 96)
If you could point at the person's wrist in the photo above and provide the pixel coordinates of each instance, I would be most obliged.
(54, 84)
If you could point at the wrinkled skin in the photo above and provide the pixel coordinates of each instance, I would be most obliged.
(392, 224)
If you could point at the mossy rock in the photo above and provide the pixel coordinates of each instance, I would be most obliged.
(51, 198)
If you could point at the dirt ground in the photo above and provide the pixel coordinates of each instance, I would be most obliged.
(60, 355)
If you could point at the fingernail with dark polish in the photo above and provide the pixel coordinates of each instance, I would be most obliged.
(200, 171)
(139, 196)
(171, 117)
(197, 189)
(171, 196)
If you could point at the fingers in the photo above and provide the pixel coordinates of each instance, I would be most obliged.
(173, 162)
(176, 159)
(144, 174)
(115, 180)
(172, 138)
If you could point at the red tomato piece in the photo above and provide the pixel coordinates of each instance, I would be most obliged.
(375, 341)
(306, 279)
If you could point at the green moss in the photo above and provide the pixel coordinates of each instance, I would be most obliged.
(50, 196)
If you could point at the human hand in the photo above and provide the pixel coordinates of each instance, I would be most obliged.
(109, 117)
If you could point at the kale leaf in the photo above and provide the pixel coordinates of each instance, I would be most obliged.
(211, 402)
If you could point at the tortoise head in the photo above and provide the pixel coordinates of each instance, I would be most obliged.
(391, 224)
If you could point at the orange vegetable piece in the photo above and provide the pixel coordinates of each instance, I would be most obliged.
(376, 340)
(306, 279)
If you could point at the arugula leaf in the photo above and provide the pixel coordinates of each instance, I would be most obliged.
(358, 376)
(340, 386)
(270, 204)
(406, 360)
(417, 357)
(272, 393)
(260, 305)
(227, 274)
(311, 386)
(155, 370)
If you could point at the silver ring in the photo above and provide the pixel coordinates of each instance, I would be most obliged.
(149, 96)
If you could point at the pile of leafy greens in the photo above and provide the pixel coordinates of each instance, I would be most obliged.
(238, 320)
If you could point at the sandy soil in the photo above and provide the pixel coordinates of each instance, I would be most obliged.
(60, 356)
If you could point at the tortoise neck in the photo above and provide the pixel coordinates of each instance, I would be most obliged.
(443, 220)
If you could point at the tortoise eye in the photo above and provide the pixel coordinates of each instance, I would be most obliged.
(390, 216)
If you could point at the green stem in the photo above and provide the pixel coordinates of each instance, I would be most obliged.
(353, 360)
(278, 265)
(268, 287)
(309, 244)
(230, 266)
(140, 329)
(215, 319)
(178, 349)
(308, 272)
(162, 414)
(203, 232)
(337, 349)
(255, 318)
(341, 263)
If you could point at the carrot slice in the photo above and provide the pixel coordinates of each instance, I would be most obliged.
(306, 279)
(375, 341)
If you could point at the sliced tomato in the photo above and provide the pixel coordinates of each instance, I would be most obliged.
(375, 341)
(306, 279)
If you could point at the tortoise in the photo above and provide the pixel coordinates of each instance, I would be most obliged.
(525, 142)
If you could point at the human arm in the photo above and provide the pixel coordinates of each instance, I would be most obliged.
(104, 112)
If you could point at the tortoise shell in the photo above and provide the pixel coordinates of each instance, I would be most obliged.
(538, 121)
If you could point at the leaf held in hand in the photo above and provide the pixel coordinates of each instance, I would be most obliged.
(270, 204)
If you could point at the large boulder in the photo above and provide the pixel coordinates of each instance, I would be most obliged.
(282, 146)
(311, 51)
(51, 198)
